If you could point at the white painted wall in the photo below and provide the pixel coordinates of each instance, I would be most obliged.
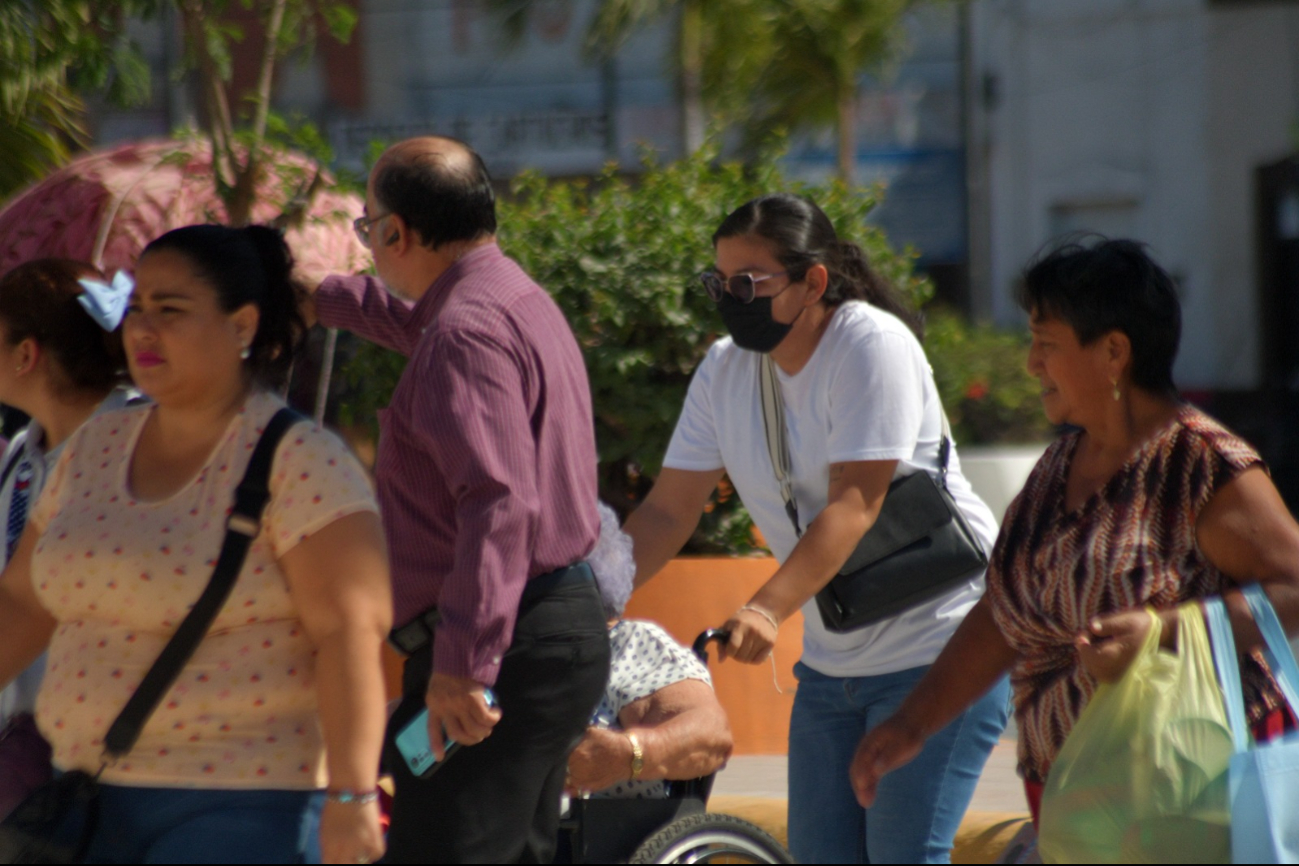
(1253, 106)
(1144, 118)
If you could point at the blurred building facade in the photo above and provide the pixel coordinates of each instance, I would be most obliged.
(418, 66)
(1008, 124)
(1170, 121)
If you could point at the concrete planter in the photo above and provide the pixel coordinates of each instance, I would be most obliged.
(697, 593)
(998, 472)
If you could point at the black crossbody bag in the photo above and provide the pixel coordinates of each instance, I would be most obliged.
(920, 546)
(55, 824)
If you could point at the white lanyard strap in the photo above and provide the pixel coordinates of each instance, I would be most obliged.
(773, 423)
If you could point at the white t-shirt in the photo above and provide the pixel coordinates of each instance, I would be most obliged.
(867, 393)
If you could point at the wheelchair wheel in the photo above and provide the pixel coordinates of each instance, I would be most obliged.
(711, 838)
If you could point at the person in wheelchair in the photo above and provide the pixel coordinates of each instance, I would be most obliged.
(659, 719)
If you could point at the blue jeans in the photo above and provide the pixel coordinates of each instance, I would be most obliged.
(176, 825)
(918, 807)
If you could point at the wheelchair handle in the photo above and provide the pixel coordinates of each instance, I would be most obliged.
(701, 643)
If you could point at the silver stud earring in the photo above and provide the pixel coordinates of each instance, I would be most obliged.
(245, 353)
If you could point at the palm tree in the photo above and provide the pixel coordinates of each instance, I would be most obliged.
(51, 50)
(40, 138)
(616, 20)
(809, 58)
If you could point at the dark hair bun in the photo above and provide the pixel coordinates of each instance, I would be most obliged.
(250, 265)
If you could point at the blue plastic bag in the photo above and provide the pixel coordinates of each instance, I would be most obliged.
(1264, 787)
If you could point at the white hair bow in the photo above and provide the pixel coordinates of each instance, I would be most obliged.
(106, 302)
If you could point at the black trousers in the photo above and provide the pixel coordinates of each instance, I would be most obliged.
(498, 801)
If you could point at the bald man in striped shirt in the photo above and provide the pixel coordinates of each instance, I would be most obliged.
(486, 477)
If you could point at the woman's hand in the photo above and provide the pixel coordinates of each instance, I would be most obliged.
(752, 637)
(886, 747)
(601, 760)
(1110, 642)
(351, 833)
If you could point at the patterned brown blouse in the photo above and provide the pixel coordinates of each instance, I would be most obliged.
(1132, 543)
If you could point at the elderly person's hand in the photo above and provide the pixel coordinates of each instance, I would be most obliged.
(1111, 641)
(601, 760)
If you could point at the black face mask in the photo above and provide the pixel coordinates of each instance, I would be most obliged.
(751, 325)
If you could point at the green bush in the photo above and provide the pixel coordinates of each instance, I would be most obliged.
(619, 255)
(979, 370)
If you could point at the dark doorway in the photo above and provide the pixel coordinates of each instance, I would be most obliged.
(1278, 273)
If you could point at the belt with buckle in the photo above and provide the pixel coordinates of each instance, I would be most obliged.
(418, 633)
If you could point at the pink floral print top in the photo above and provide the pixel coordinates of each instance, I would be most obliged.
(120, 574)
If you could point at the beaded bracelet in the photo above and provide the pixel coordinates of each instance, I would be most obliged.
(352, 798)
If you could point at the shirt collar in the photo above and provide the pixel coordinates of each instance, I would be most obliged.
(426, 309)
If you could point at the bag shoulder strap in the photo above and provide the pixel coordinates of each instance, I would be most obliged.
(242, 527)
(1223, 643)
(773, 425)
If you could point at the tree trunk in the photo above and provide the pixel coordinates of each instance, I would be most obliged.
(847, 129)
(691, 72)
(244, 194)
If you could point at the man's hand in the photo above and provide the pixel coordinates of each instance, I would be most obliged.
(460, 707)
(601, 760)
(1110, 642)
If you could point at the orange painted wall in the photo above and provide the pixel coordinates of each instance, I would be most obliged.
(691, 595)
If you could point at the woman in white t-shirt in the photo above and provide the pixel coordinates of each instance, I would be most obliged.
(861, 409)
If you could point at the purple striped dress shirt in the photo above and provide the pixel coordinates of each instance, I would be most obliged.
(486, 467)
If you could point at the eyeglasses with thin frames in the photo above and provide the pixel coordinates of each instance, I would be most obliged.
(743, 287)
(361, 225)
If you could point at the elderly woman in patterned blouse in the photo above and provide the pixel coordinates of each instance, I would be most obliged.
(659, 719)
(1145, 501)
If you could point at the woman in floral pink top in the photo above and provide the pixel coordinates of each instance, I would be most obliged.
(273, 729)
(1147, 502)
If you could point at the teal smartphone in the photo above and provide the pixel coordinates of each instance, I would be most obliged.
(413, 743)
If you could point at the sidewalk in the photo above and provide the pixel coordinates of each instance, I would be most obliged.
(994, 829)
(999, 790)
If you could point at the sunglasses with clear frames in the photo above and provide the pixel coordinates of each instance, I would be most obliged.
(743, 287)
(361, 225)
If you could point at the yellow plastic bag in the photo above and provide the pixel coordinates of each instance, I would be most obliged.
(1142, 777)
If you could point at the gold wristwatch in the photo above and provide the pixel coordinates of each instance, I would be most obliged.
(637, 756)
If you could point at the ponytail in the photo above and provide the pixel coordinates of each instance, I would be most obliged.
(853, 279)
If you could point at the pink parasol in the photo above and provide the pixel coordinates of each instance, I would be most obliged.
(105, 206)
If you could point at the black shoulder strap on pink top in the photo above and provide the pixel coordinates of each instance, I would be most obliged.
(242, 527)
